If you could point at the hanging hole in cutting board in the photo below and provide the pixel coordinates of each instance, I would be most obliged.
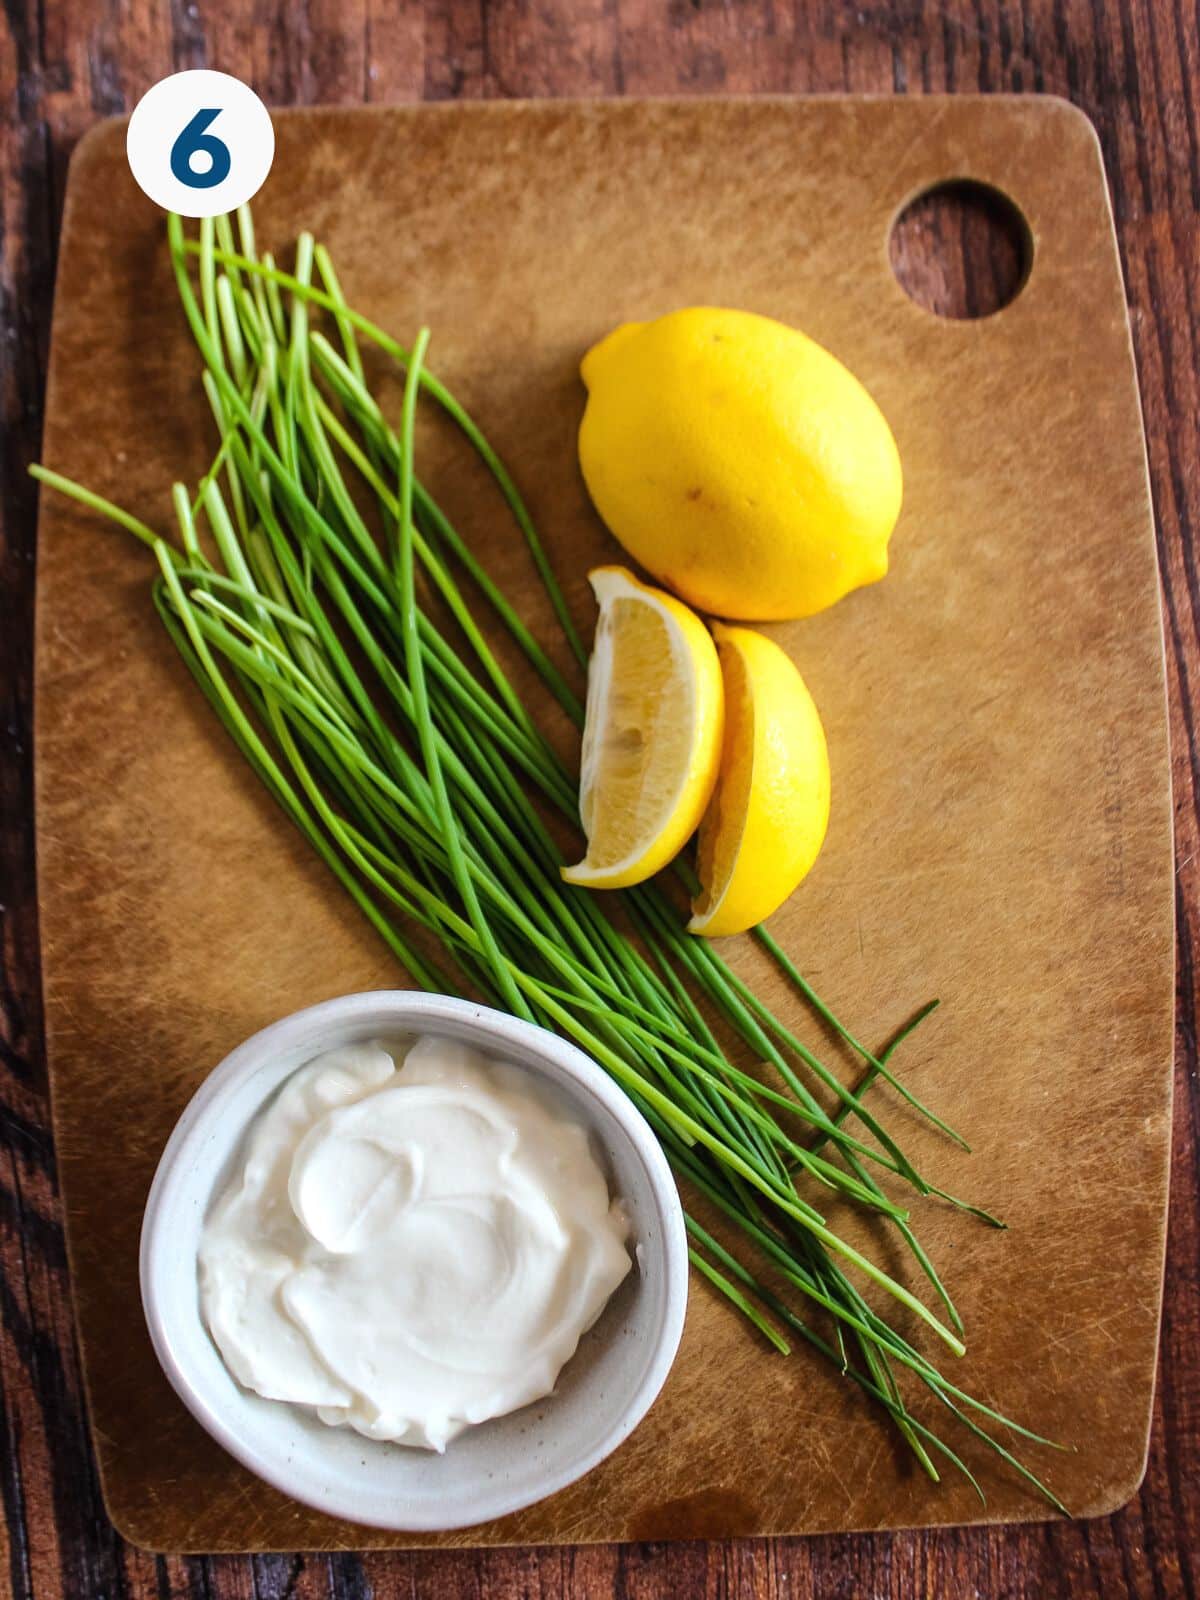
(961, 249)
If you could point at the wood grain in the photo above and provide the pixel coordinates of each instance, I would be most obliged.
(992, 821)
(1133, 69)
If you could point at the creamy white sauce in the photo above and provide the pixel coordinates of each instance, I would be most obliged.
(409, 1250)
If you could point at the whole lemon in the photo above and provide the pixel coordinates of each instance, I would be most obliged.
(739, 462)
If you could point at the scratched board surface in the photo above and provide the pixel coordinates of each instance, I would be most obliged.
(1001, 822)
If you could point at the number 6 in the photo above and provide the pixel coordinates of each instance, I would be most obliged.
(193, 138)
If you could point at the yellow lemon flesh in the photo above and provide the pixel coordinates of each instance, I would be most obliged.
(652, 738)
(766, 822)
(739, 462)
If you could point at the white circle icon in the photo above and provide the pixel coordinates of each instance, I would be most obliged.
(200, 143)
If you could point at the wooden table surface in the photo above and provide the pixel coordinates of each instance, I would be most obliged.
(1135, 68)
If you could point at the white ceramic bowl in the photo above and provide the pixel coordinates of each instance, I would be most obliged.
(490, 1470)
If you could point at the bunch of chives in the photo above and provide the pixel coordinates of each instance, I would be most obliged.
(398, 746)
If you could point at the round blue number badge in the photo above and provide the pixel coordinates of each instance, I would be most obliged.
(200, 143)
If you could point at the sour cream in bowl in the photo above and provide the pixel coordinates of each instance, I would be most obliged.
(414, 1262)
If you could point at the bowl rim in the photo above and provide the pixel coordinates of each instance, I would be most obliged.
(524, 1040)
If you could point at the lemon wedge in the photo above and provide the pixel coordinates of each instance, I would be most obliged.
(766, 822)
(652, 737)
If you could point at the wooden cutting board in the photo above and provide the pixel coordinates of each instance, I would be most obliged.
(1001, 830)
